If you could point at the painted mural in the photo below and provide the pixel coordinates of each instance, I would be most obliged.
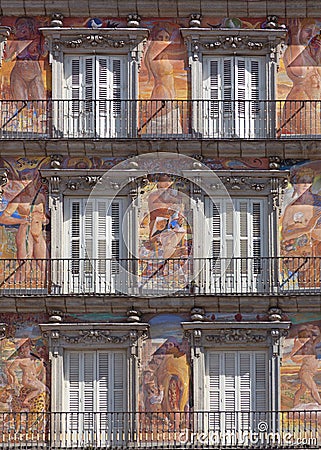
(25, 74)
(165, 222)
(300, 228)
(24, 376)
(165, 233)
(301, 368)
(165, 375)
(299, 78)
(23, 220)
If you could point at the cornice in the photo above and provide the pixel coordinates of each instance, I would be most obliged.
(72, 39)
(233, 41)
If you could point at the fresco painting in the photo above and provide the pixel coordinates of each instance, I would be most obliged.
(24, 376)
(24, 217)
(163, 80)
(165, 233)
(165, 376)
(25, 74)
(301, 63)
(301, 368)
(300, 228)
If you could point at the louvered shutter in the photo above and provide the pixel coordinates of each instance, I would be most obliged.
(261, 382)
(237, 381)
(214, 87)
(74, 374)
(102, 232)
(118, 382)
(115, 234)
(96, 381)
(257, 91)
(240, 90)
(228, 86)
(103, 371)
(117, 78)
(75, 234)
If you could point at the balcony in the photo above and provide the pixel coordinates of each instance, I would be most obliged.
(140, 430)
(171, 277)
(160, 119)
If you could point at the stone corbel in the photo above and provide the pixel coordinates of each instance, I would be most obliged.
(277, 335)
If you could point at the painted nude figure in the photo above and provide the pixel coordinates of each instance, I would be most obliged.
(302, 63)
(30, 240)
(33, 375)
(304, 352)
(26, 81)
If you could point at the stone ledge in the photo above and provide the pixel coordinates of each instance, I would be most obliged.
(285, 149)
(108, 304)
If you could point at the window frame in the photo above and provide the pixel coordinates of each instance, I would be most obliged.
(232, 336)
(62, 337)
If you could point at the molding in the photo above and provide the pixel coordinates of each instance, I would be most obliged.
(207, 334)
(235, 336)
(62, 335)
(108, 40)
(232, 41)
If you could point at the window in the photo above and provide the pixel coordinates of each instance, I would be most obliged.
(95, 84)
(95, 392)
(236, 372)
(94, 80)
(237, 386)
(233, 81)
(235, 87)
(238, 247)
(94, 381)
(93, 229)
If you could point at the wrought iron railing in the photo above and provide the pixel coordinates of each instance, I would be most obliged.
(93, 430)
(161, 277)
(160, 119)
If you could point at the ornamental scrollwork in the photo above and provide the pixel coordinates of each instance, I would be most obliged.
(91, 40)
(236, 335)
(97, 337)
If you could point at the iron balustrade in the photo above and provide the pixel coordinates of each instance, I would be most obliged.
(160, 119)
(185, 276)
(93, 430)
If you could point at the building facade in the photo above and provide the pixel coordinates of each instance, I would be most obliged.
(160, 224)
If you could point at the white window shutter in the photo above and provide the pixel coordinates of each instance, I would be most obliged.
(228, 85)
(257, 233)
(103, 371)
(240, 85)
(74, 375)
(118, 382)
(117, 85)
(229, 381)
(75, 234)
(102, 232)
(261, 383)
(89, 377)
(244, 385)
(255, 86)
(214, 372)
(214, 86)
(237, 381)
(115, 233)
